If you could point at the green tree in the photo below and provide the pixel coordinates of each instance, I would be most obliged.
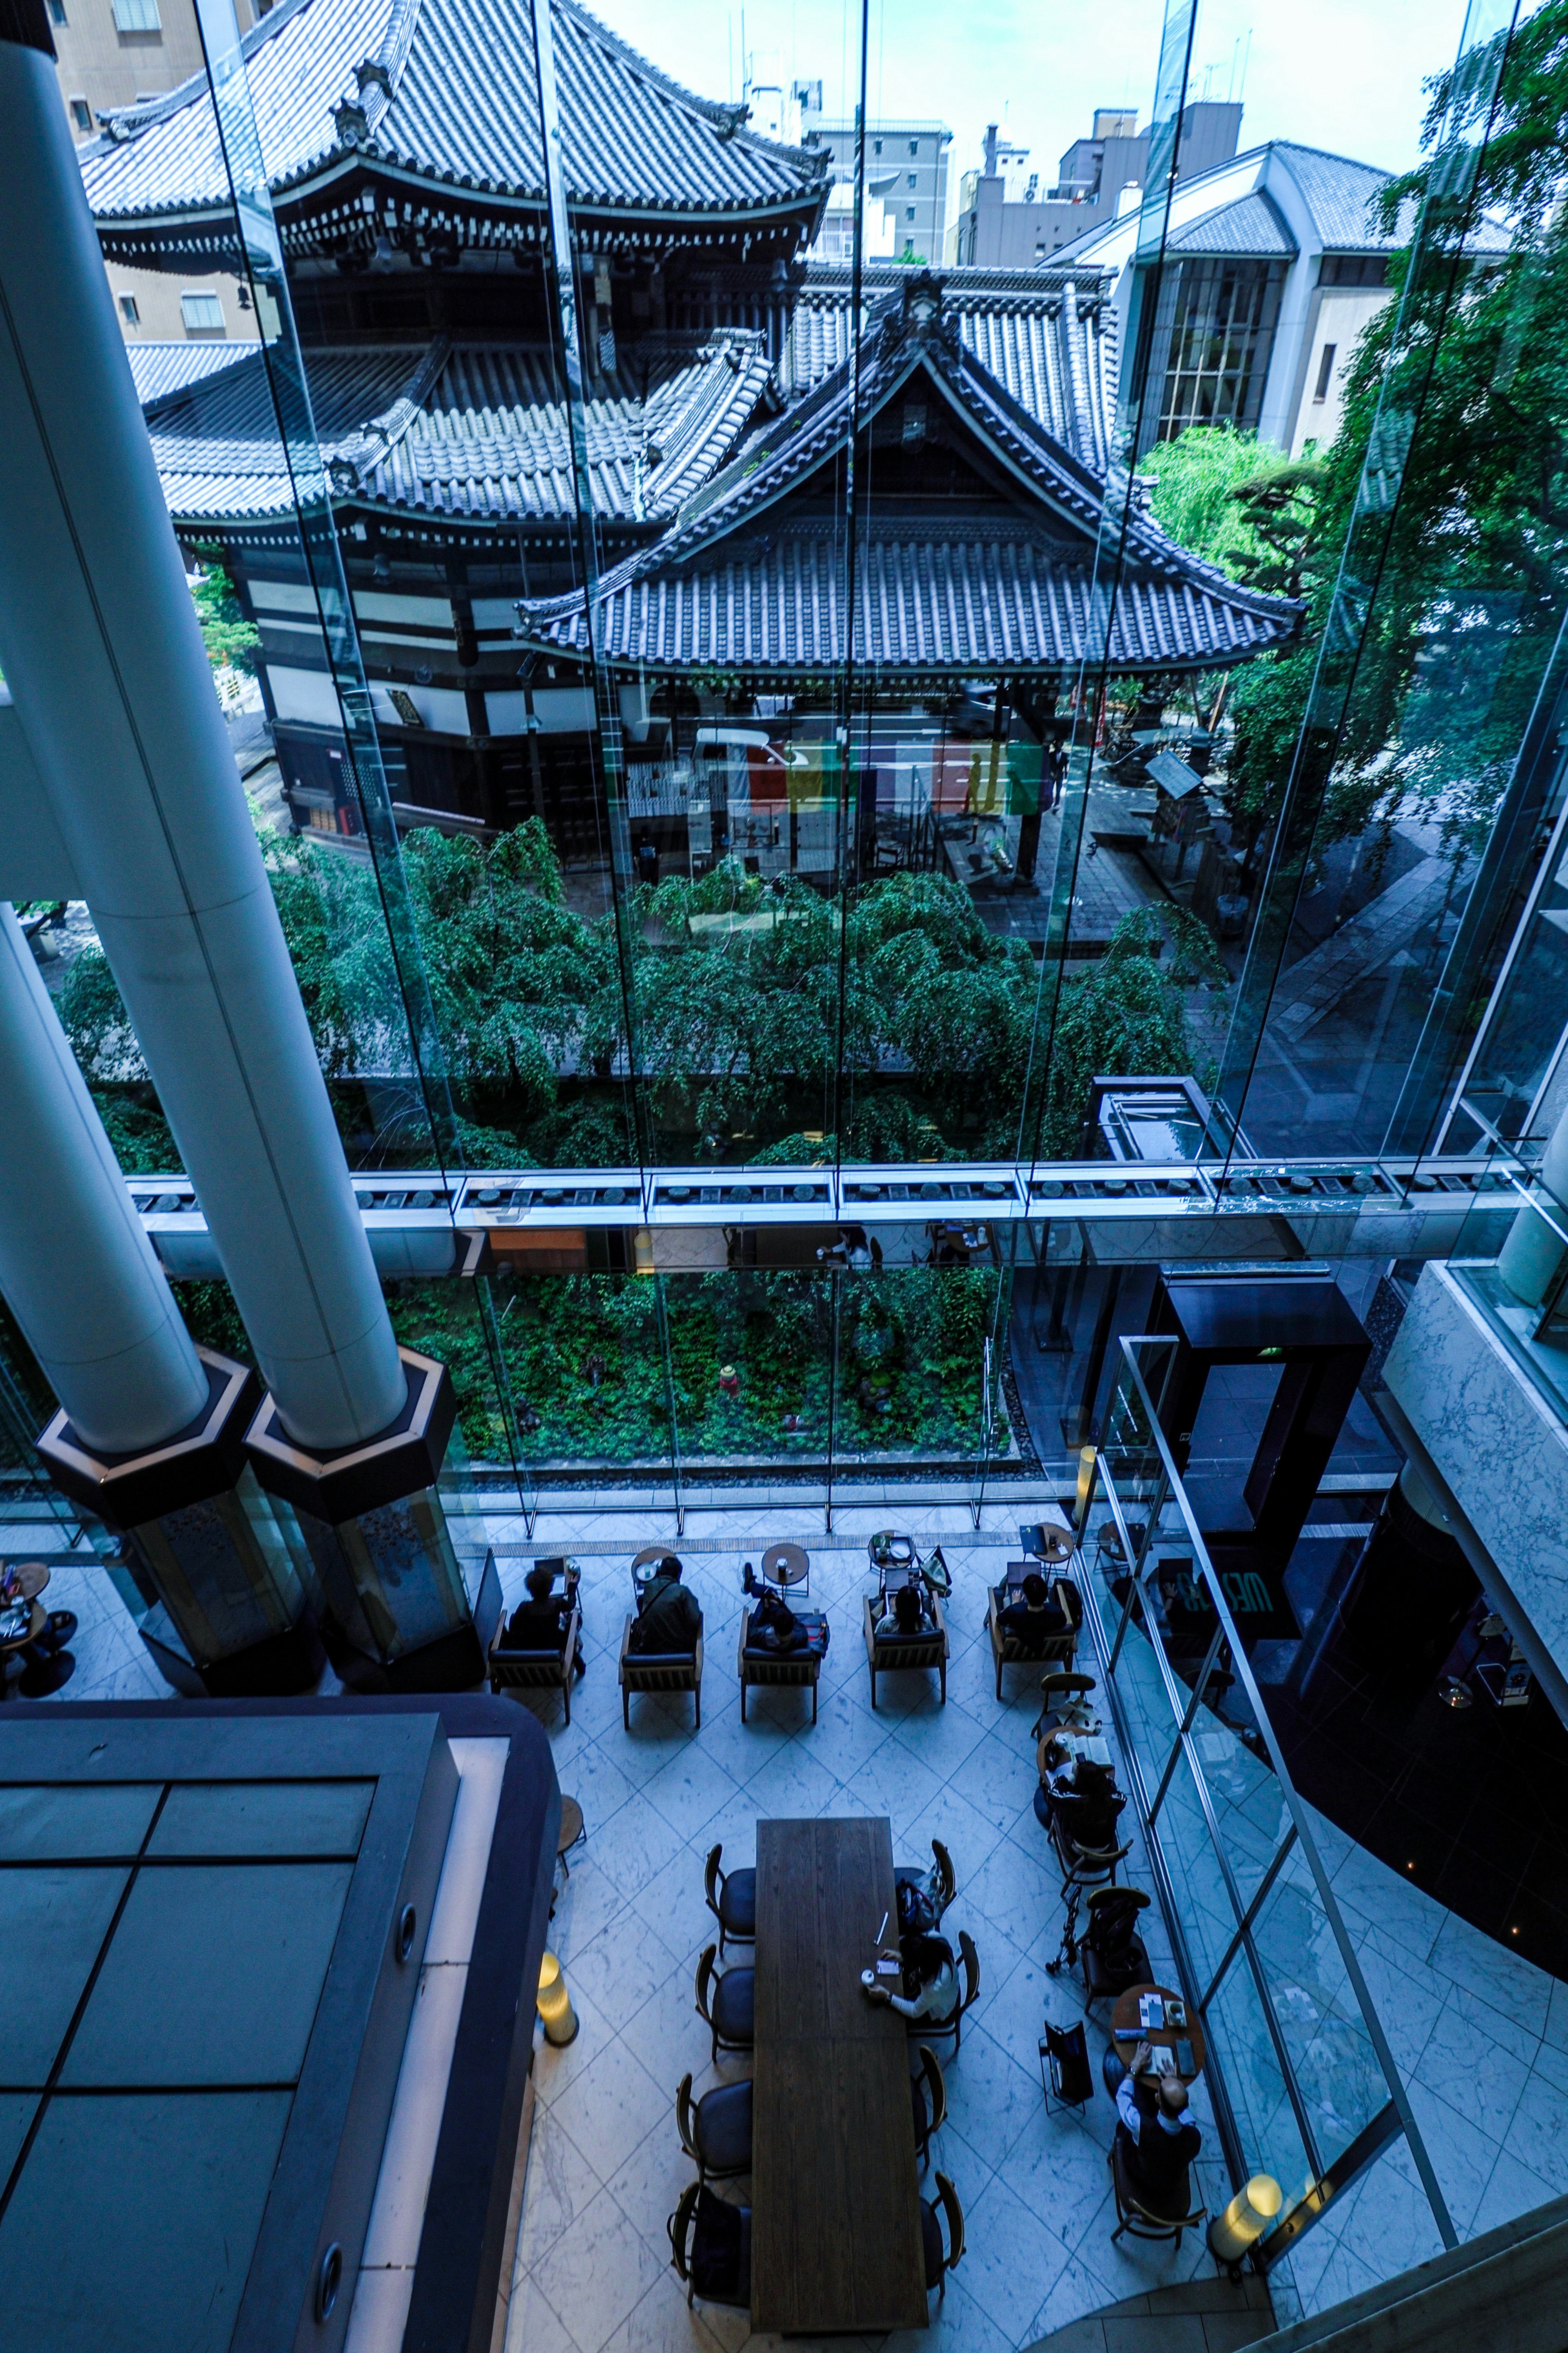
(227, 636)
(1464, 377)
(1126, 1018)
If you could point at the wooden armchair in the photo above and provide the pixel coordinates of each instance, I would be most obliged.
(548, 1670)
(891, 1653)
(659, 1671)
(1057, 1650)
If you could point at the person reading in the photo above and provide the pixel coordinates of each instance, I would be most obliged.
(904, 1613)
(1036, 1619)
(540, 1624)
(670, 1618)
(930, 1981)
(1157, 2138)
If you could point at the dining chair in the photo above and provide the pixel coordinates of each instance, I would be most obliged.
(911, 1875)
(715, 2130)
(732, 1900)
(928, 2098)
(1064, 2066)
(940, 2260)
(1110, 1948)
(726, 2274)
(1143, 2217)
(1060, 1688)
(726, 2002)
(936, 2028)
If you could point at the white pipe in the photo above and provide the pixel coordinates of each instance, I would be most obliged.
(78, 1271)
(100, 645)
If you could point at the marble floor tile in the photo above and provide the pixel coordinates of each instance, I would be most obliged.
(611, 2106)
(597, 2273)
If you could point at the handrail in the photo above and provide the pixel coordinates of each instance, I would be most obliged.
(1130, 1346)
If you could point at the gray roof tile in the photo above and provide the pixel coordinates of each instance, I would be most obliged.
(463, 112)
(1249, 229)
(475, 433)
(743, 578)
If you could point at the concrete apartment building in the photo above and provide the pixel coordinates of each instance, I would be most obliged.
(1005, 223)
(906, 183)
(110, 55)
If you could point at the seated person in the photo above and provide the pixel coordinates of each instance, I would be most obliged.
(540, 1624)
(1157, 2138)
(773, 1626)
(1033, 1620)
(929, 1984)
(671, 1618)
(1086, 1805)
(904, 1613)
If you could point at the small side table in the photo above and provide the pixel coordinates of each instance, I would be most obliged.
(572, 1832)
(1128, 2033)
(785, 1565)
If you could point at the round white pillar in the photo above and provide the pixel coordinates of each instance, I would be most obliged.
(99, 645)
(77, 1271)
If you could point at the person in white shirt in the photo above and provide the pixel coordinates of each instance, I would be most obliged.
(930, 1981)
(905, 1614)
(1159, 2140)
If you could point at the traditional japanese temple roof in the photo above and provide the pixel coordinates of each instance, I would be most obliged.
(471, 433)
(752, 575)
(434, 104)
(1047, 337)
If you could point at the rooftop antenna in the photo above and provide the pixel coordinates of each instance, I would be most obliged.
(1234, 53)
(1246, 61)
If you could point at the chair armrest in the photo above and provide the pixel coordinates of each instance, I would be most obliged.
(574, 1635)
(625, 1651)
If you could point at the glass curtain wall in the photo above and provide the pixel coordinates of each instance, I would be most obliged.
(762, 714)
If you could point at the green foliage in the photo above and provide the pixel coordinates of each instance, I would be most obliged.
(139, 1134)
(1469, 362)
(1125, 1018)
(227, 636)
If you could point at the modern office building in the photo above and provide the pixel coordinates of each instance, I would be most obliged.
(1276, 263)
(906, 178)
(110, 55)
(989, 1091)
(1005, 221)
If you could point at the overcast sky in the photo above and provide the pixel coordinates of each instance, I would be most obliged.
(1341, 74)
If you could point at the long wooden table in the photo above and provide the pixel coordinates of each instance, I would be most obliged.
(836, 2224)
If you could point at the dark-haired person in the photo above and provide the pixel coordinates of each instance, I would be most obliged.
(905, 1612)
(930, 1980)
(540, 1624)
(670, 1618)
(1033, 1620)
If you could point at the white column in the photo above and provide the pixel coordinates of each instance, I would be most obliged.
(78, 1273)
(100, 645)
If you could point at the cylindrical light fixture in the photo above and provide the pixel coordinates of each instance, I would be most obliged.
(1246, 2219)
(554, 2004)
(1086, 1462)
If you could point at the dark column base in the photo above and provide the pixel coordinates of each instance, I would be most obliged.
(282, 1666)
(457, 1661)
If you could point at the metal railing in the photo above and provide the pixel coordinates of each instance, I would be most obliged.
(1302, 2080)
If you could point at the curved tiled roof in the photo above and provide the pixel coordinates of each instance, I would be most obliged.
(475, 433)
(158, 369)
(1049, 342)
(448, 96)
(730, 570)
(1249, 229)
(970, 596)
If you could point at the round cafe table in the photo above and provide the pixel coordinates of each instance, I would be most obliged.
(1124, 2024)
(643, 1567)
(785, 1565)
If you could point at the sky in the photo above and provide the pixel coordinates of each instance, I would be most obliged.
(1341, 74)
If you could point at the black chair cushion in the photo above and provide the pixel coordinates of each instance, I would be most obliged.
(738, 1902)
(1101, 1981)
(931, 2244)
(734, 2005)
(724, 2127)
